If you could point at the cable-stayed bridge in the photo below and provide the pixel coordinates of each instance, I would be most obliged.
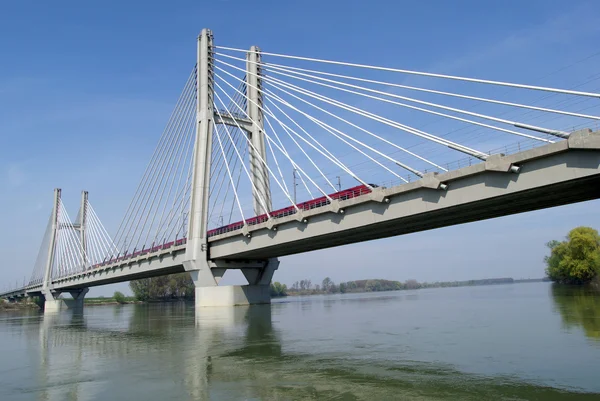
(250, 168)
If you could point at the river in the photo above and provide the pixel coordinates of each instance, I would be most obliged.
(528, 341)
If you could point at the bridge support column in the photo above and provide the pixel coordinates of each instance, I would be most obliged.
(205, 272)
(232, 295)
(258, 290)
(53, 304)
(261, 192)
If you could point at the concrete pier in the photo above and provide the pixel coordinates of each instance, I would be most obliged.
(53, 304)
(233, 295)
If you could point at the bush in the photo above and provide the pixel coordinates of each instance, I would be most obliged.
(575, 260)
(278, 289)
(119, 297)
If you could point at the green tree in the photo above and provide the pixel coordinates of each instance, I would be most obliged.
(140, 289)
(575, 260)
(278, 289)
(326, 284)
(411, 284)
(119, 297)
(173, 286)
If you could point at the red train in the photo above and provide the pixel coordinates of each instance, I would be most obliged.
(155, 248)
(287, 211)
(308, 205)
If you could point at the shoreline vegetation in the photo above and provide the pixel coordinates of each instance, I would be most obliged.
(27, 303)
(327, 286)
(155, 293)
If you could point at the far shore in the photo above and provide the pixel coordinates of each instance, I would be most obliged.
(29, 303)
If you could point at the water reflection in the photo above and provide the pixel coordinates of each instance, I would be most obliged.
(170, 340)
(579, 307)
(289, 350)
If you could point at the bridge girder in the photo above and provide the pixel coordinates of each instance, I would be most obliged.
(552, 175)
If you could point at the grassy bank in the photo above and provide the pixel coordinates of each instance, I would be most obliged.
(109, 301)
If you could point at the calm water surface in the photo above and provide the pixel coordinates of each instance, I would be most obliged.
(511, 342)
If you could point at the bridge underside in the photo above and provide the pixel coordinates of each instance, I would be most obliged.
(550, 176)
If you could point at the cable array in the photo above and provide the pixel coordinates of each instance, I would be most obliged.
(37, 276)
(369, 129)
(69, 255)
(228, 160)
(158, 210)
(98, 243)
(78, 246)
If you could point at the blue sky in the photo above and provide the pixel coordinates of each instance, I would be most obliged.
(87, 87)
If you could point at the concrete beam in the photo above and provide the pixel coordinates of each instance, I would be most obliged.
(584, 139)
(550, 176)
(233, 121)
(157, 265)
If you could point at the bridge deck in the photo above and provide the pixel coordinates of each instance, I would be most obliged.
(552, 175)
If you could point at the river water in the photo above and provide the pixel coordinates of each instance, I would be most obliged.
(504, 342)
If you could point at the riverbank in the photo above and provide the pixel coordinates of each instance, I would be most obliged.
(100, 301)
(10, 306)
(29, 303)
(305, 287)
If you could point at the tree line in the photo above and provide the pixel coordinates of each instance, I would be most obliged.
(328, 286)
(181, 286)
(163, 288)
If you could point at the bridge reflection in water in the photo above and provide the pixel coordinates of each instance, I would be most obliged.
(263, 352)
(176, 352)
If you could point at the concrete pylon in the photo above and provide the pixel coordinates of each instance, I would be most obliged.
(52, 302)
(261, 193)
(207, 273)
(51, 245)
(197, 247)
(261, 190)
(82, 223)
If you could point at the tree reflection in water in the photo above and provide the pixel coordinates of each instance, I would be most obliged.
(579, 307)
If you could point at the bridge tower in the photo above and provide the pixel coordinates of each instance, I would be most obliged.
(257, 151)
(47, 283)
(52, 302)
(207, 272)
(82, 226)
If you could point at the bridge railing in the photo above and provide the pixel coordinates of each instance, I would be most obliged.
(291, 210)
(508, 149)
